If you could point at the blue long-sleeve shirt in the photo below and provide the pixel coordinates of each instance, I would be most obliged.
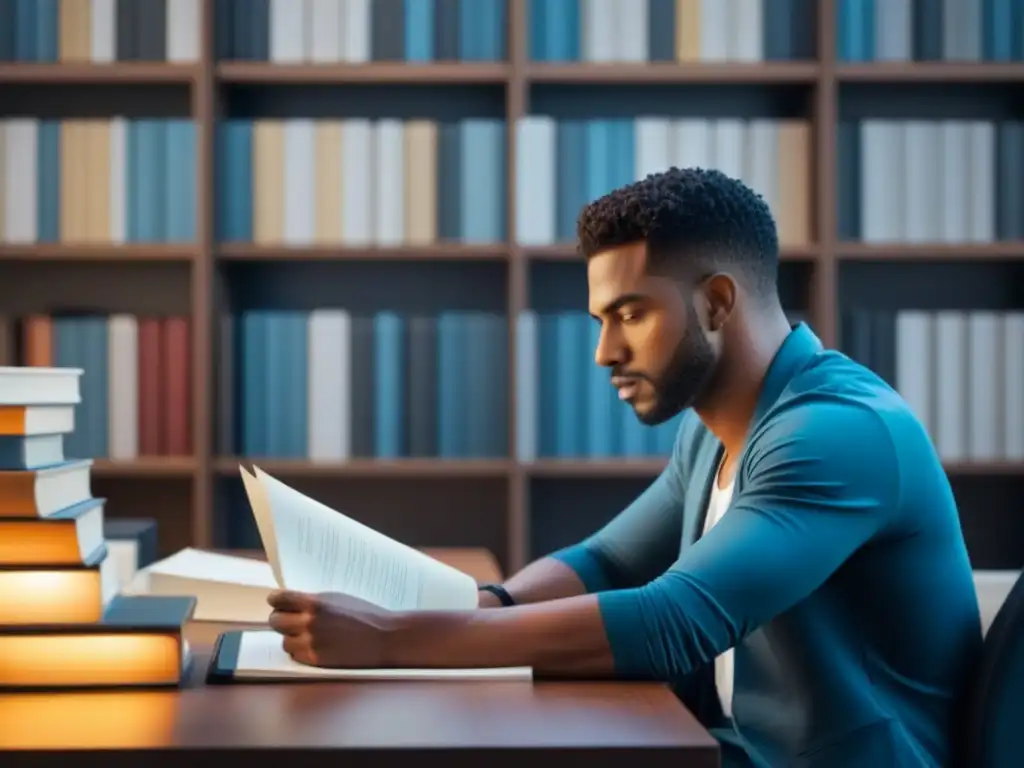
(839, 573)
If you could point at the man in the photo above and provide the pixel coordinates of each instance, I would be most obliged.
(802, 548)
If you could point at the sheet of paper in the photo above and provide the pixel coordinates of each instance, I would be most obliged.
(214, 566)
(322, 550)
(264, 521)
(261, 656)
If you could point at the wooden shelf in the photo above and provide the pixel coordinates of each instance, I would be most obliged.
(371, 468)
(146, 467)
(264, 73)
(119, 73)
(438, 252)
(930, 72)
(101, 253)
(1010, 251)
(772, 73)
(791, 88)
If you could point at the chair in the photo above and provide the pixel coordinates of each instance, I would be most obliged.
(995, 705)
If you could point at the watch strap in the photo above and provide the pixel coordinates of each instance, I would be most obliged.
(499, 592)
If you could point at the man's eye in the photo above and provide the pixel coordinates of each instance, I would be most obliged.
(630, 317)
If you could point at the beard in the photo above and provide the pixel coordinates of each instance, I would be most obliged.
(689, 371)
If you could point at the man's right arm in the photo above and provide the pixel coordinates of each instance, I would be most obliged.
(637, 546)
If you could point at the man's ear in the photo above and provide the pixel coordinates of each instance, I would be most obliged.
(719, 293)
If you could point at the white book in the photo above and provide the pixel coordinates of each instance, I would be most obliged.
(118, 174)
(746, 40)
(982, 145)
(330, 385)
(123, 389)
(29, 385)
(882, 198)
(32, 452)
(287, 31)
(299, 181)
(326, 30)
(535, 184)
(693, 146)
(21, 152)
(728, 144)
(599, 33)
(653, 140)
(923, 181)
(358, 182)
(950, 414)
(914, 374)
(261, 656)
(715, 25)
(103, 31)
(389, 173)
(894, 30)
(956, 191)
(984, 386)
(1013, 386)
(631, 23)
(761, 160)
(58, 488)
(355, 47)
(183, 25)
(48, 419)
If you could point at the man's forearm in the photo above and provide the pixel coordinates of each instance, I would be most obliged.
(540, 581)
(560, 637)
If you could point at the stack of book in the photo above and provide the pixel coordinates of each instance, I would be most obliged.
(63, 620)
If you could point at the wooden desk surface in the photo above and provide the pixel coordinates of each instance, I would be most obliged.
(372, 724)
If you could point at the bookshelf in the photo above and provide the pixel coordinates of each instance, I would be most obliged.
(514, 507)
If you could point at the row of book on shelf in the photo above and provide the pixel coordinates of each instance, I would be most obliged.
(65, 568)
(100, 31)
(135, 393)
(959, 181)
(929, 30)
(97, 181)
(962, 373)
(561, 165)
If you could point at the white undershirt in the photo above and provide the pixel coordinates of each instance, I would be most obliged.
(717, 505)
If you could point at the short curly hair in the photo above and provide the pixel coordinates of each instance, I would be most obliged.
(691, 219)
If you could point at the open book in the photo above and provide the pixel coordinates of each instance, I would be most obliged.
(313, 548)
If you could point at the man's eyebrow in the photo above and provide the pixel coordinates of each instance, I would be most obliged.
(623, 300)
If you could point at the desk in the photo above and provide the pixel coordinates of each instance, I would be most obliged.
(356, 725)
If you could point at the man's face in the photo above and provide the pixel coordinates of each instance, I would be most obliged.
(660, 357)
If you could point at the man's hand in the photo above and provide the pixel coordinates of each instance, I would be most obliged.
(332, 630)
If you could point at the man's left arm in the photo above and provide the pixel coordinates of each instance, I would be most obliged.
(819, 484)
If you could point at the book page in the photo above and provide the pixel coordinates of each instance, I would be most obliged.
(264, 520)
(261, 656)
(322, 550)
(215, 567)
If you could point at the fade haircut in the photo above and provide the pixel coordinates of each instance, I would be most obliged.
(693, 221)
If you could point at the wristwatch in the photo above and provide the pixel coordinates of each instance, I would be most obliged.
(499, 592)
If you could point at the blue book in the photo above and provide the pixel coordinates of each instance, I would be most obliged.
(48, 182)
(451, 385)
(180, 194)
(95, 417)
(471, 30)
(602, 426)
(493, 23)
(547, 428)
(25, 25)
(47, 25)
(296, 427)
(855, 33)
(234, 181)
(570, 419)
(24, 453)
(253, 358)
(527, 374)
(1000, 29)
(389, 374)
(482, 171)
(275, 362)
(537, 21)
(562, 30)
(571, 157)
(419, 30)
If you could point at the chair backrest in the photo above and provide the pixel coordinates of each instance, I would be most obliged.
(995, 707)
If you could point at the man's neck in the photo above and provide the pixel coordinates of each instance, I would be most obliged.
(729, 406)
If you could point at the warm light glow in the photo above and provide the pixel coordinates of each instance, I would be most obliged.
(50, 597)
(31, 542)
(80, 659)
(129, 720)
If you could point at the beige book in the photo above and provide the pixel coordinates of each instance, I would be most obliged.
(268, 182)
(328, 183)
(75, 24)
(97, 181)
(795, 183)
(688, 30)
(420, 182)
(72, 181)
